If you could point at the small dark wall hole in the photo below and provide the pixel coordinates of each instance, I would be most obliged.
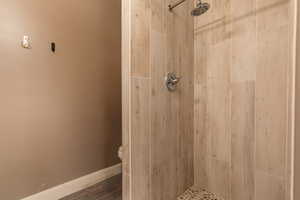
(53, 47)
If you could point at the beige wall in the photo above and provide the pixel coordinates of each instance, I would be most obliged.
(60, 113)
(243, 77)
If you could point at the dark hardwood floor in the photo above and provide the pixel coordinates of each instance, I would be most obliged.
(110, 189)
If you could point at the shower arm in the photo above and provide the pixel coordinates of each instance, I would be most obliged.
(172, 6)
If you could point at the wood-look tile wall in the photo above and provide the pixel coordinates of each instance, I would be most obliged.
(297, 112)
(243, 75)
(158, 137)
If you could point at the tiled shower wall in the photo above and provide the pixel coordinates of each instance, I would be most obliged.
(160, 137)
(243, 75)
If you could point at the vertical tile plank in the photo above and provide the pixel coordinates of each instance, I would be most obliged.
(219, 181)
(212, 99)
(141, 10)
(163, 141)
(140, 138)
(180, 45)
(271, 98)
(243, 19)
(218, 101)
(242, 140)
(200, 112)
(126, 97)
(269, 187)
(271, 101)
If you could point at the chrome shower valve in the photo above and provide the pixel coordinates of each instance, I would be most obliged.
(172, 81)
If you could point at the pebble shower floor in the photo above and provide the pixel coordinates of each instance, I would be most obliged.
(193, 194)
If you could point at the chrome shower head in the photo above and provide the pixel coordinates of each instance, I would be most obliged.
(200, 9)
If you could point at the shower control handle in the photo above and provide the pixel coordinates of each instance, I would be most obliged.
(171, 81)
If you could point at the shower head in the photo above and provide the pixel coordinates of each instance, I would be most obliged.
(200, 9)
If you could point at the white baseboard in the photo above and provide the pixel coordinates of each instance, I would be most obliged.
(76, 185)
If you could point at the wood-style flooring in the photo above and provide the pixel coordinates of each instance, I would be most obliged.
(110, 189)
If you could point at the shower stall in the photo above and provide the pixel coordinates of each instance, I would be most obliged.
(208, 99)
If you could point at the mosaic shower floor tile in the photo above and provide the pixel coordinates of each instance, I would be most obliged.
(193, 194)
